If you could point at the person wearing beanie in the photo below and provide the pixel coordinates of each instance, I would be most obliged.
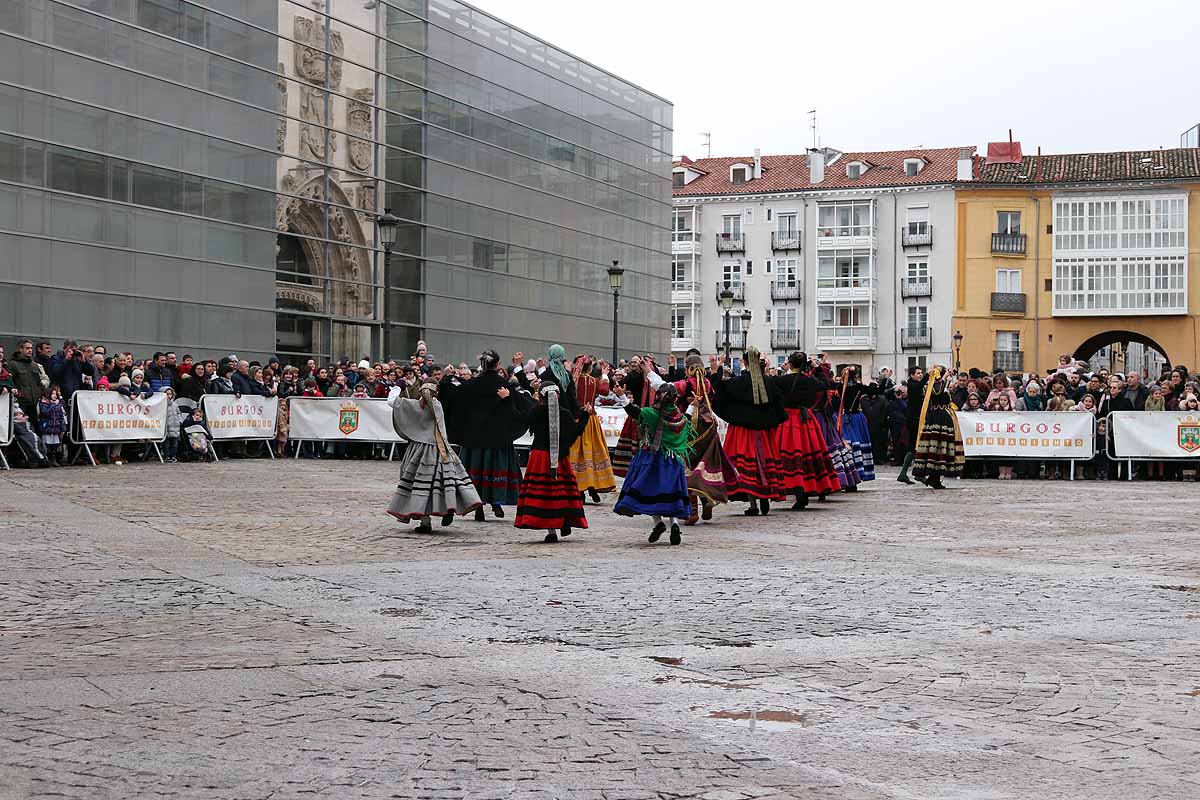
(753, 407)
(656, 484)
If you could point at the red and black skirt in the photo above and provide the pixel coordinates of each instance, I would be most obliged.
(804, 461)
(548, 502)
(755, 455)
(627, 446)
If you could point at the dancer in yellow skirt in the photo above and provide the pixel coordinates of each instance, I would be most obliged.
(589, 454)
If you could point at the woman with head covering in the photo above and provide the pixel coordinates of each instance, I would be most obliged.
(486, 421)
(558, 373)
(549, 496)
(432, 479)
(753, 407)
(855, 429)
(806, 468)
(657, 484)
(589, 453)
(710, 472)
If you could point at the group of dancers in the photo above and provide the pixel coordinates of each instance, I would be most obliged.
(799, 435)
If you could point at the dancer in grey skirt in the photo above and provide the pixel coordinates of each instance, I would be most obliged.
(432, 479)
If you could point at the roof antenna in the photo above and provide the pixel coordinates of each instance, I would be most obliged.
(813, 124)
(708, 144)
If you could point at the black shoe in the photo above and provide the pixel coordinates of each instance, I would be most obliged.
(566, 531)
(764, 506)
(594, 495)
(752, 511)
(676, 534)
(821, 497)
(425, 527)
(853, 488)
(658, 531)
(447, 518)
(936, 482)
(905, 479)
(705, 510)
(479, 514)
(498, 511)
(801, 502)
(551, 537)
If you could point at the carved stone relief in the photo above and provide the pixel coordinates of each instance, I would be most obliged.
(364, 201)
(312, 137)
(281, 107)
(358, 124)
(310, 59)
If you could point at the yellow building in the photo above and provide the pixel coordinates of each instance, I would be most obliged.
(1069, 254)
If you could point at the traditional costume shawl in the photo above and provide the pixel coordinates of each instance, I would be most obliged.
(550, 395)
(556, 355)
(423, 421)
(665, 429)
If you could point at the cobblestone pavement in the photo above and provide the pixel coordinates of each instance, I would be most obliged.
(264, 631)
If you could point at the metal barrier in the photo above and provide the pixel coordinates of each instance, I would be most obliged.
(1087, 455)
(1109, 441)
(76, 436)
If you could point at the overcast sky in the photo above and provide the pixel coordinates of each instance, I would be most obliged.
(885, 74)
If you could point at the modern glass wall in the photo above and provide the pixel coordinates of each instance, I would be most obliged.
(204, 177)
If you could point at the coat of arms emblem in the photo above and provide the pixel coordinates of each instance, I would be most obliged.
(348, 419)
(1189, 434)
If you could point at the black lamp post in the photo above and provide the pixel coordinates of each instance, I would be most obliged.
(958, 337)
(388, 225)
(726, 304)
(615, 276)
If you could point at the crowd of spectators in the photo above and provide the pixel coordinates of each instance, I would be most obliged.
(42, 381)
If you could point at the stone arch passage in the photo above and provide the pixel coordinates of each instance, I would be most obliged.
(1090, 346)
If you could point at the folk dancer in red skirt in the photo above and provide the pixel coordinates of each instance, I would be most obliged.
(806, 468)
(486, 422)
(709, 470)
(640, 391)
(753, 407)
(549, 496)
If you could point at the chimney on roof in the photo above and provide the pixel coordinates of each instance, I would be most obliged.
(816, 166)
(757, 163)
(1005, 152)
(966, 164)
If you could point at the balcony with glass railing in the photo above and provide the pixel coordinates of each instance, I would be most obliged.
(913, 286)
(846, 288)
(846, 337)
(786, 290)
(731, 243)
(785, 339)
(685, 293)
(785, 240)
(915, 337)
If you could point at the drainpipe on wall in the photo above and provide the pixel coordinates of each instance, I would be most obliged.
(1037, 278)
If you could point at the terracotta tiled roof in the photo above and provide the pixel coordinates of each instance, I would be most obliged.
(1130, 165)
(790, 172)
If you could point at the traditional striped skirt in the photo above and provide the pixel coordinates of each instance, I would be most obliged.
(858, 434)
(590, 461)
(710, 472)
(627, 445)
(755, 455)
(656, 484)
(839, 452)
(804, 461)
(429, 486)
(495, 472)
(940, 450)
(548, 502)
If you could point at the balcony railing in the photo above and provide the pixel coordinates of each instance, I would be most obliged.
(1008, 361)
(846, 337)
(785, 290)
(1008, 302)
(684, 243)
(915, 337)
(685, 292)
(785, 340)
(738, 289)
(737, 340)
(1008, 244)
(785, 240)
(731, 243)
(921, 236)
(916, 287)
(846, 236)
(684, 339)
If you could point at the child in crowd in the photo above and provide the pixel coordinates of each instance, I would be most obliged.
(26, 440)
(52, 420)
(1000, 402)
(171, 444)
(196, 434)
(1101, 461)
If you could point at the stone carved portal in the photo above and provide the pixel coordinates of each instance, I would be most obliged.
(349, 263)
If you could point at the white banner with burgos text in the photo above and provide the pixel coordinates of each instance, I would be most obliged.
(6, 415)
(1155, 434)
(1028, 434)
(612, 418)
(340, 419)
(113, 417)
(246, 417)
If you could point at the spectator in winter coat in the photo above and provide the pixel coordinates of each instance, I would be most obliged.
(71, 370)
(192, 383)
(52, 422)
(26, 378)
(160, 374)
(171, 444)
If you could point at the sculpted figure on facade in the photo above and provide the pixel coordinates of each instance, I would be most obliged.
(281, 108)
(358, 124)
(310, 52)
(313, 136)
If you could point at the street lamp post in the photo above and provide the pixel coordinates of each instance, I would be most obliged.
(726, 304)
(388, 225)
(958, 337)
(615, 276)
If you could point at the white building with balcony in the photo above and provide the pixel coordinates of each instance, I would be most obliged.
(849, 254)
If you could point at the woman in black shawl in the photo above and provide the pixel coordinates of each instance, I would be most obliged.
(753, 407)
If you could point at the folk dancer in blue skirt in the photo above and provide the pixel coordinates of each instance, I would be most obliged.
(855, 429)
(656, 483)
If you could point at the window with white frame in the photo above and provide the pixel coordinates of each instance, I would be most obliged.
(912, 166)
(738, 175)
(844, 269)
(843, 315)
(916, 220)
(731, 226)
(767, 315)
(1008, 341)
(917, 270)
(681, 223)
(1008, 222)
(679, 274)
(918, 320)
(917, 361)
(787, 271)
(678, 179)
(787, 223)
(1008, 281)
(787, 319)
(854, 170)
(679, 324)
(845, 219)
(1117, 254)
(731, 273)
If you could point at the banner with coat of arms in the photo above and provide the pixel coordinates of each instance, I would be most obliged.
(1155, 434)
(340, 419)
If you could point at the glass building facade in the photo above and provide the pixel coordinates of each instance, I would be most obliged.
(205, 176)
